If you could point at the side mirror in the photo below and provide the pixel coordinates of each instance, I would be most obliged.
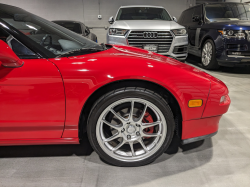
(87, 31)
(111, 20)
(196, 18)
(175, 19)
(7, 57)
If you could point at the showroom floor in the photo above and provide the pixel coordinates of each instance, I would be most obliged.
(223, 160)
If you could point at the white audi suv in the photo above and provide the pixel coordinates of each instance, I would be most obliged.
(148, 27)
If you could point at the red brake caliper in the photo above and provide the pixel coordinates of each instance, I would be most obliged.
(148, 119)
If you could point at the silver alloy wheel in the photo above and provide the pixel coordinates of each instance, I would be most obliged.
(207, 52)
(128, 140)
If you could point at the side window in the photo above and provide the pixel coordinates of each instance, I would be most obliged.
(188, 18)
(77, 28)
(197, 11)
(181, 18)
(242, 11)
(20, 50)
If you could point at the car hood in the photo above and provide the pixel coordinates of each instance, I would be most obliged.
(231, 24)
(119, 55)
(157, 58)
(146, 25)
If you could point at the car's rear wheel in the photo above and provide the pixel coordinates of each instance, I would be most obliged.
(130, 127)
(208, 58)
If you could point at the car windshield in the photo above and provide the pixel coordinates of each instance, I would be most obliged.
(143, 13)
(227, 11)
(48, 35)
(73, 26)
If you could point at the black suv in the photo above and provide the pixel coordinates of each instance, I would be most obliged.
(219, 33)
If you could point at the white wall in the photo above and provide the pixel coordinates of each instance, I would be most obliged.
(87, 10)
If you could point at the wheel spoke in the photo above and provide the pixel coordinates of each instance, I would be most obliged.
(132, 148)
(131, 110)
(143, 145)
(144, 134)
(123, 120)
(116, 135)
(119, 145)
(147, 125)
(143, 113)
(111, 125)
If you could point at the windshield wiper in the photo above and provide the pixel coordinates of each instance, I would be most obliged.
(79, 51)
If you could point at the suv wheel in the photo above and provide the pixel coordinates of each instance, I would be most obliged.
(130, 127)
(208, 56)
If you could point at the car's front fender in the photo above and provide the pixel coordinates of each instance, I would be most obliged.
(83, 75)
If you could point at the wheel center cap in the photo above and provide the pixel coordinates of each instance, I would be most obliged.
(131, 129)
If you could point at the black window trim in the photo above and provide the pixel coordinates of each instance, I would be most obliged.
(10, 38)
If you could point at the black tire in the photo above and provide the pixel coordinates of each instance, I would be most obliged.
(124, 93)
(213, 64)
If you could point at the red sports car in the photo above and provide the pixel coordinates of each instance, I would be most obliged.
(56, 86)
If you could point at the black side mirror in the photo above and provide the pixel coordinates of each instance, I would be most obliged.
(111, 20)
(87, 31)
(196, 18)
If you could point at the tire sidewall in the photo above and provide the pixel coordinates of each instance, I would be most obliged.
(103, 103)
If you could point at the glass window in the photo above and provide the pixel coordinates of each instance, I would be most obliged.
(75, 27)
(241, 11)
(188, 18)
(48, 35)
(197, 11)
(20, 50)
(181, 18)
(227, 11)
(143, 13)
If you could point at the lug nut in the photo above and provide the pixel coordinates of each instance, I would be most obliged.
(128, 136)
(137, 125)
(137, 133)
(123, 130)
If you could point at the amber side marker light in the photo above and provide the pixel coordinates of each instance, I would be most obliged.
(195, 103)
(222, 32)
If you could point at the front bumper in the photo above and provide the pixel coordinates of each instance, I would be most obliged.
(234, 61)
(208, 124)
(196, 139)
(195, 130)
(177, 50)
(233, 52)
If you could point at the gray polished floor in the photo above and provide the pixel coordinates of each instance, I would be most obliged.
(221, 161)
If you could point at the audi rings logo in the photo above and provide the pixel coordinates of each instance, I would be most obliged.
(150, 34)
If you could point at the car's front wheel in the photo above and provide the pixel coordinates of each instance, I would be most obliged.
(130, 127)
(208, 58)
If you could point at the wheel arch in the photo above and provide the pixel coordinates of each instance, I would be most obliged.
(207, 37)
(163, 92)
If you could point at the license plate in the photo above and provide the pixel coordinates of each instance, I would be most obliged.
(150, 47)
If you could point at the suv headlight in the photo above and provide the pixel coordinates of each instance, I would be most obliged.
(239, 34)
(118, 32)
(179, 32)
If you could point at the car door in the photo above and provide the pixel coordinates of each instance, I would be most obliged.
(32, 99)
(195, 26)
